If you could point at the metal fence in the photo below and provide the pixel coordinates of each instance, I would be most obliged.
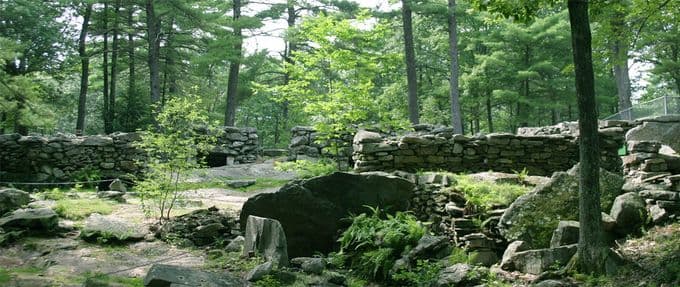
(657, 107)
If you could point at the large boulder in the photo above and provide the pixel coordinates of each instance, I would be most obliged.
(107, 229)
(161, 275)
(566, 233)
(12, 199)
(629, 212)
(265, 237)
(539, 260)
(533, 216)
(35, 220)
(311, 211)
(199, 227)
(663, 129)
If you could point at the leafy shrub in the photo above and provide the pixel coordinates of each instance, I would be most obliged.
(80, 208)
(87, 173)
(172, 148)
(484, 194)
(306, 168)
(374, 242)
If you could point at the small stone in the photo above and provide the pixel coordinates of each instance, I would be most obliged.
(236, 244)
(566, 233)
(240, 183)
(118, 185)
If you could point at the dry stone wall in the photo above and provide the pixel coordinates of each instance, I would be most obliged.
(442, 150)
(304, 143)
(67, 157)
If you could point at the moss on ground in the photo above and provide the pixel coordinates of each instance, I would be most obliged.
(76, 209)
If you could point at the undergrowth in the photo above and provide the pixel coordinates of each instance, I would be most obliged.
(484, 194)
(306, 168)
(373, 242)
(76, 209)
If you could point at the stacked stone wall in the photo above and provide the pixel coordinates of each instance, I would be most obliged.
(305, 143)
(539, 154)
(67, 157)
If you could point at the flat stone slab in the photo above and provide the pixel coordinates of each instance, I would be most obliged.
(38, 219)
(99, 227)
(161, 275)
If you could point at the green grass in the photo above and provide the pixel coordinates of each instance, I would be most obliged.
(4, 275)
(76, 209)
(486, 194)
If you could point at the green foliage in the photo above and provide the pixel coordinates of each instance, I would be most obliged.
(485, 194)
(373, 243)
(81, 208)
(306, 168)
(4, 275)
(96, 279)
(268, 281)
(172, 149)
(425, 274)
(458, 255)
(87, 173)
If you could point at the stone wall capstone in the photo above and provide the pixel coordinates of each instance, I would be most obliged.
(64, 157)
(504, 152)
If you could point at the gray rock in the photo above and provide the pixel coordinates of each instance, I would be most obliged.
(429, 246)
(658, 214)
(456, 275)
(644, 146)
(266, 237)
(666, 132)
(260, 271)
(608, 222)
(39, 220)
(161, 275)
(660, 195)
(118, 185)
(240, 183)
(539, 260)
(533, 217)
(311, 211)
(97, 141)
(363, 136)
(312, 265)
(514, 247)
(236, 244)
(566, 233)
(108, 229)
(210, 231)
(553, 283)
(111, 195)
(12, 199)
(629, 212)
(483, 257)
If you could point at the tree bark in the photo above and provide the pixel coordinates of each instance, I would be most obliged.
(489, 115)
(410, 57)
(85, 70)
(591, 250)
(153, 24)
(130, 115)
(114, 69)
(456, 118)
(620, 59)
(234, 68)
(105, 66)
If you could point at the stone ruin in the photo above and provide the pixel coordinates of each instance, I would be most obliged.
(67, 157)
(305, 143)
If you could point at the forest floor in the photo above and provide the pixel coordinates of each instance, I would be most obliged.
(67, 260)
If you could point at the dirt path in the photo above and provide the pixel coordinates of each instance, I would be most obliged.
(67, 260)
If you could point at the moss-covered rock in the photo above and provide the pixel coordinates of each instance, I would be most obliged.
(533, 217)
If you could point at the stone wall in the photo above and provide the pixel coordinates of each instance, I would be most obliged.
(235, 145)
(442, 150)
(65, 157)
(304, 143)
(38, 158)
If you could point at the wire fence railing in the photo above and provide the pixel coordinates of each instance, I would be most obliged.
(657, 107)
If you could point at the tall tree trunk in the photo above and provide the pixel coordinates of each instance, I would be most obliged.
(456, 118)
(591, 250)
(153, 25)
(131, 92)
(489, 115)
(291, 47)
(620, 60)
(234, 68)
(410, 58)
(114, 68)
(85, 70)
(105, 65)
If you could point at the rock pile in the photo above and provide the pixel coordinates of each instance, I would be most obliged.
(199, 227)
(235, 145)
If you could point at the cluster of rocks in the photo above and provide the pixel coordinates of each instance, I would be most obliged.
(15, 219)
(443, 150)
(199, 228)
(234, 145)
(64, 157)
(305, 143)
(438, 200)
